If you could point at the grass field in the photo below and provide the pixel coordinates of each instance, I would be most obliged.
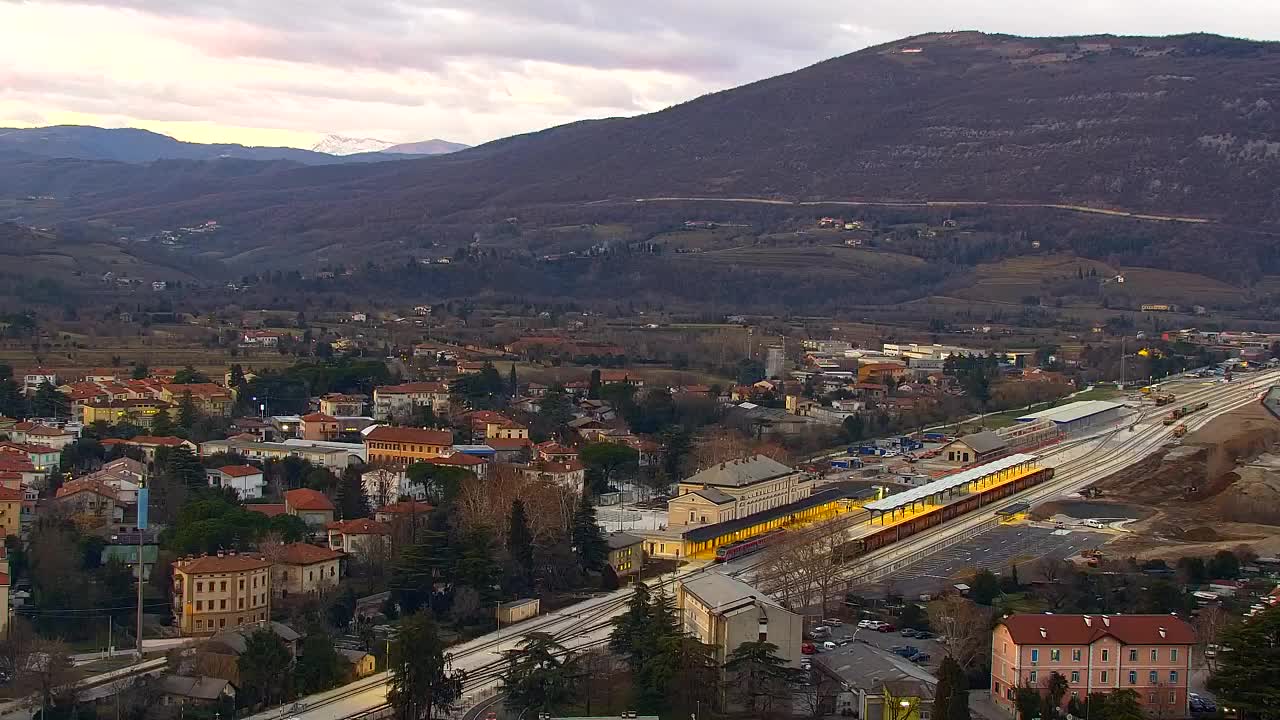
(816, 259)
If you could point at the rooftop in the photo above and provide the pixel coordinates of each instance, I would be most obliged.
(221, 564)
(422, 436)
(360, 526)
(1084, 629)
(716, 590)
(301, 553)
(948, 482)
(240, 470)
(866, 666)
(307, 499)
(1072, 411)
(741, 472)
(983, 442)
(618, 540)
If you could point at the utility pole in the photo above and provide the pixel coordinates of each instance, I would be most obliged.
(144, 497)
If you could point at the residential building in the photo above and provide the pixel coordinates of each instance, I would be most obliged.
(208, 398)
(725, 612)
(336, 456)
(403, 511)
(260, 338)
(361, 537)
(123, 547)
(304, 569)
(471, 463)
(318, 426)
(10, 511)
(570, 474)
(384, 486)
(42, 457)
(38, 434)
(212, 593)
(150, 444)
(1149, 654)
(133, 411)
(398, 402)
(736, 489)
(402, 446)
(554, 451)
(91, 499)
(312, 506)
(626, 554)
(247, 480)
(339, 404)
(219, 655)
(510, 449)
(199, 691)
(875, 684)
(35, 377)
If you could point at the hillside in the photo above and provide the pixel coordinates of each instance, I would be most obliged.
(1182, 126)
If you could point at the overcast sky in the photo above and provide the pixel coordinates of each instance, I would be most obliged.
(285, 72)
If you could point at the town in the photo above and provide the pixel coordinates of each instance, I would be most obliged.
(548, 525)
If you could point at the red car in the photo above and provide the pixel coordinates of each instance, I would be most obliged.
(807, 648)
(886, 627)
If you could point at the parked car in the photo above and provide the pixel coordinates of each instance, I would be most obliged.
(905, 651)
(919, 657)
(924, 635)
(909, 632)
(833, 622)
(885, 627)
(828, 645)
(867, 623)
(807, 648)
(821, 629)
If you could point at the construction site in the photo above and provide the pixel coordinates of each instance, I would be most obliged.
(1212, 489)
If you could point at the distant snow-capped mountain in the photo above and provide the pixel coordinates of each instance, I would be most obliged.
(342, 145)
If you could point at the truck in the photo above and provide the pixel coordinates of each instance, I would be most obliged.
(934, 437)
(1180, 431)
(1165, 399)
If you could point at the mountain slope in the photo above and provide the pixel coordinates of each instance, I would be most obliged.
(1183, 125)
(435, 146)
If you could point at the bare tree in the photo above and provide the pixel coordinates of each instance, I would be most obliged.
(1210, 623)
(966, 625)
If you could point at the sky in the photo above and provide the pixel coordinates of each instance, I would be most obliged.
(286, 72)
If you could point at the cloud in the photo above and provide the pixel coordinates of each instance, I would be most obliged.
(474, 70)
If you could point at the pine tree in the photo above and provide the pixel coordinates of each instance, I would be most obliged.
(161, 423)
(12, 403)
(519, 551)
(632, 627)
(187, 413)
(237, 375)
(593, 390)
(588, 541)
(48, 402)
(349, 496)
(951, 698)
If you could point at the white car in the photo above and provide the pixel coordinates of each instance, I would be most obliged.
(866, 624)
(833, 622)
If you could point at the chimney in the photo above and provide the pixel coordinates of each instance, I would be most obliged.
(1044, 633)
(1106, 621)
(1163, 632)
(1088, 621)
(220, 553)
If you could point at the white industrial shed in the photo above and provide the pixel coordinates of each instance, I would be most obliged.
(1078, 415)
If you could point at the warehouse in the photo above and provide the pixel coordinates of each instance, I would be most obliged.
(1077, 416)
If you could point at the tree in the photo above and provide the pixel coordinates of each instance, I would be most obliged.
(1224, 564)
(264, 668)
(1027, 700)
(541, 675)
(349, 497)
(1125, 705)
(951, 698)
(513, 384)
(609, 462)
(593, 387)
(631, 628)
(237, 375)
(1245, 677)
(967, 627)
(188, 375)
(161, 424)
(555, 409)
(421, 680)
(187, 412)
(984, 587)
(139, 372)
(588, 541)
(319, 667)
(12, 402)
(48, 402)
(519, 551)
(1055, 690)
(757, 676)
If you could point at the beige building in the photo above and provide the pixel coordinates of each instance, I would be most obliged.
(736, 489)
(400, 401)
(304, 569)
(213, 593)
(361, 537)
(626, 553)
(724, 613)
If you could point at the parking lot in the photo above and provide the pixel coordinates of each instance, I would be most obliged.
(886, 640)
(994, 551)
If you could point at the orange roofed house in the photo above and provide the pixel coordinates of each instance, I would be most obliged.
(1149, 654)
(360, 537)
(315, 509)
(212, 593)
(402, 446)
(400, 401)
(303, 569)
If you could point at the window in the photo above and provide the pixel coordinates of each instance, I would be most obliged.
(1173, 677)
(311, 575)
(1104, 677)
(1075, 656)
(1173, 654)
(255, 581)
(1173, 698)
(1075, 676)
(241, 583)
(1006, 648)
(1133, 677)
(1105, 653)
(222, 604)
(1133, 655)
(199, 587)
(1151, 678)
(1055, 655)
(995, 688)
(222, 622)
(199, 605)
(222, 586)
(199, 624)
(241, 604)
(1032, 677)
(1035, 655)
(1155, 654)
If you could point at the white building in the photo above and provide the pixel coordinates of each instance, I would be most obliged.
(247, 480)
(385, 486)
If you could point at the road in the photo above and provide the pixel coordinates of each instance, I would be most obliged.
(1078, 462)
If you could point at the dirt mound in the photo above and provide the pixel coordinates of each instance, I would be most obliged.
(1254, 494)
(1201, 534)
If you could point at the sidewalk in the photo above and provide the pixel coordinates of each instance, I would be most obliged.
(982, 706)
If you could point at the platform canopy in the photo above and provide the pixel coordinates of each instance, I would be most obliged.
(950, 482)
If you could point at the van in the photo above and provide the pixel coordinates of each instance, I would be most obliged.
(829, 646)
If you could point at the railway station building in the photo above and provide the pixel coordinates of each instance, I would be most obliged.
(736, 489)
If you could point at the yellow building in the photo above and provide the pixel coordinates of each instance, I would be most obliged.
(208, 398)
(10, 510)
(139, 411)
(213, 593)
(736, 489)
(626, 553)
(4, 603)
(405, 445)
(304, 569)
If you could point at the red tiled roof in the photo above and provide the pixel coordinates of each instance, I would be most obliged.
(4, 579)
(10, 494)
(1073, 630)
(87, 484)
(318, 417)
(23, 448)
(386, 433)
(220, 564)
(268, 509)
(156, 440)
(204, 390)
(359, 526)
(549, 466)
(46, 431)
(10, 475)
(405, 507)
(307, 499)
(16, 463)
(301, 553)
(239, 470)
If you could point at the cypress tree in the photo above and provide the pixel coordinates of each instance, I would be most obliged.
(519, 551)
(588, 541)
